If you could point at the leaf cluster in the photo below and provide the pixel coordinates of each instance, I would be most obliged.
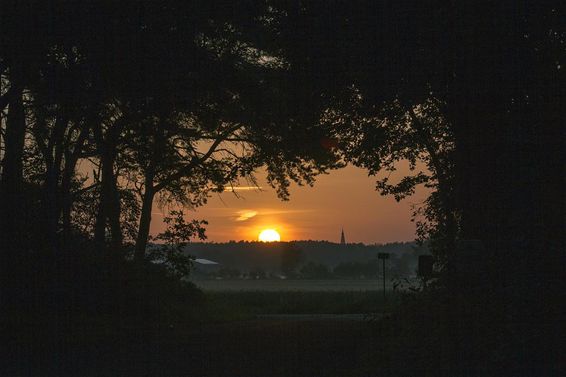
(169, 247)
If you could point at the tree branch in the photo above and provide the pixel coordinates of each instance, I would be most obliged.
(196, 161)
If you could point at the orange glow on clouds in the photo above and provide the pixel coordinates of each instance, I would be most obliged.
(345, 198)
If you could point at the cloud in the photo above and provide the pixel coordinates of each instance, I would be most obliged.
(248, 213)
(242, 188)
(245, 215)
(284, 211)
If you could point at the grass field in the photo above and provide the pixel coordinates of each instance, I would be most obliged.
(216, 333)
(228, 300)
(303, 285)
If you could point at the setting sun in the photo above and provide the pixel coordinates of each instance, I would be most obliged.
(269, 235)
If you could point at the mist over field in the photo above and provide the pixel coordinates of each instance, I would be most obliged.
(290, 285)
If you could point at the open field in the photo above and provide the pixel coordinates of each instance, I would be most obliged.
(276, 285)
(228, 300)
(230, 305)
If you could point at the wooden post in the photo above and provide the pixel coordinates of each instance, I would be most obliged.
(383, 257)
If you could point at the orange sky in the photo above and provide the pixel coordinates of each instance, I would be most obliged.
(345, 197)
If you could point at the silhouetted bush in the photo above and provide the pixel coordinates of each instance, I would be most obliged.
(79, 286)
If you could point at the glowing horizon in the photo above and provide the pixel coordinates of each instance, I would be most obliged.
(344, 198)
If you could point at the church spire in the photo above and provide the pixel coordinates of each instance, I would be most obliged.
(342, 238)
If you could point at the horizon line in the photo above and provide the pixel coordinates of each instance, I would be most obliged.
(309, 240)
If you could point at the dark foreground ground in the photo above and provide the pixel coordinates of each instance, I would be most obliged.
(259, 347)
(245, 348)
(158, 327)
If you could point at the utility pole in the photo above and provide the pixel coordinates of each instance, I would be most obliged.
(383, 257)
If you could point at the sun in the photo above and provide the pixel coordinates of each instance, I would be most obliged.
(269, 235)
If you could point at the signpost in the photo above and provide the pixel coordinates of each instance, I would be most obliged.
(383, 257)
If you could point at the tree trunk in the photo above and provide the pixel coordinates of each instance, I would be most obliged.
(149, 193)
(11, 186)
(71, 159)
(66, 204)
(100, 225)
(109, 205)
(109, 208)
(145, 219)
(114, 211)
(50, 205)
(66, 196)
(53, 161)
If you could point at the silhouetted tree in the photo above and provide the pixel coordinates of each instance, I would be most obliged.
(291, 258)
(314, 271)
(169, 250)
(379, 138)
(213, 82)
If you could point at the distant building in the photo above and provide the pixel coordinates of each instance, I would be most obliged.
(342, 238)
(205, 267)
(204, 261)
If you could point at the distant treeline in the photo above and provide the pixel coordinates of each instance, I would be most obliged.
(307, 259)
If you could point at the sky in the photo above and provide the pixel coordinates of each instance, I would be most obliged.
(345, 198)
